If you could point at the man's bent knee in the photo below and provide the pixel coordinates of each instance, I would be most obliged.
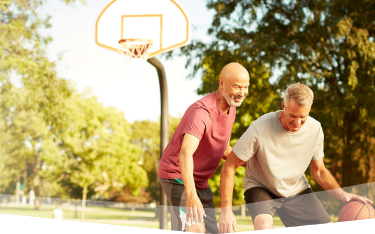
(197, 228)
(263, 222)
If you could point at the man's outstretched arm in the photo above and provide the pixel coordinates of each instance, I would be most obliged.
(193, 204)
(228, 150)
(325, 179)
(227, 221)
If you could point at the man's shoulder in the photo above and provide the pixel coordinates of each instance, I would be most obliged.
(313, 124)
(201, 109)
(313, 121)
(206, 103)
(264, 119)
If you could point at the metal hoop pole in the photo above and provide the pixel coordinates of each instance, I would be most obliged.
(164, 138)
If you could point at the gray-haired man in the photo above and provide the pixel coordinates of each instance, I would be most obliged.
(278, 148)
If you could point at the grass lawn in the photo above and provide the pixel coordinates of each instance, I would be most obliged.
(117, 216)
(90, 213)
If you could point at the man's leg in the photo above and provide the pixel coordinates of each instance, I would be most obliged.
(303, 209)
(174, 191)
(263, 222)
(262, 204)
(176, 195)
(206, 197)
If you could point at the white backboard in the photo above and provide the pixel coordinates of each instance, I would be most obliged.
(162, 21)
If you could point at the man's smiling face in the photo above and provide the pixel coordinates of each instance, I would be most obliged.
(294, 116)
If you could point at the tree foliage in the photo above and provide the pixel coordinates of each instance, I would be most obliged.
(328, 45)
(31, 93)
(50, 134)
(146, 134)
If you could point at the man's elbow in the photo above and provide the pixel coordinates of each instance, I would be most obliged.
(229, 167)
(183, 156)
(317, 174)
(226, 154)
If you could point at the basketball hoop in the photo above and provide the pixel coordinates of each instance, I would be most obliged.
(136, 52)
(135, 48)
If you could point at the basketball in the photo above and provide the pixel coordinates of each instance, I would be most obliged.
(356, 210)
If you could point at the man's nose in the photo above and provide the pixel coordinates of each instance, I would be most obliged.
(243, 92)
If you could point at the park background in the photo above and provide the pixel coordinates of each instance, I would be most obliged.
(74, 126)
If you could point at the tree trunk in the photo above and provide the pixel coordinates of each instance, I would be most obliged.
(347, 164)
(37, 185)
(83, 201)
(38, 202)
(25, 178)
(75, 210)
(351, 173)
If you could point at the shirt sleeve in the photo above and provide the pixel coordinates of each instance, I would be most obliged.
(198, 123)
(319, 151)
(248, 144)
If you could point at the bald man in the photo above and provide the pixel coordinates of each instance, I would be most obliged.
(199, 143)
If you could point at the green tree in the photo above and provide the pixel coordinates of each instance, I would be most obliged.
(98, 149)
(8, 160)
(328, 45)
(146, 134)
(35, 106)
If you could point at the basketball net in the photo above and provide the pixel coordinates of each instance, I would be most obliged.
(136, 53)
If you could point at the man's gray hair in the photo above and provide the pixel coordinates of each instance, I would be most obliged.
(301, 93)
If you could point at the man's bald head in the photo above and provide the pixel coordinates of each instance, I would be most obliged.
(233, 84)
(234, 71)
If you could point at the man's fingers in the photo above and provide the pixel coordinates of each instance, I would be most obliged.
(223, 228)
(200, 213)
(369, 201)
(188, 214)
(361, 199)
(195, 216)
(229, 228)
(235, 225)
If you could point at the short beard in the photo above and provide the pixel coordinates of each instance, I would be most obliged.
(230, 100)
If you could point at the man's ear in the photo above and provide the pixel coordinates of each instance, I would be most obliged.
(221, 83)
(282, 105)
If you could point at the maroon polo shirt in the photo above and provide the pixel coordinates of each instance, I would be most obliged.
(206, 121)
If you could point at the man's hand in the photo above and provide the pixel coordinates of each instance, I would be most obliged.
(194, 210)
(227, 221)
(325, 179)
(198, 228)
(193, 204)
(347, 197)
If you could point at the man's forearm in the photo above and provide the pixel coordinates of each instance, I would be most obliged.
(325, 179)
(228, 150)
(187, 169)
(226, 187)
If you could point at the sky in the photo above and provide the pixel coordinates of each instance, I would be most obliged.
(103, 71)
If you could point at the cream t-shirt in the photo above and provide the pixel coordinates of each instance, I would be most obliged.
(276, 158)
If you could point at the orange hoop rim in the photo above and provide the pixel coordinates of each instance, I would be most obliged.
(145, 41)
(135, 47)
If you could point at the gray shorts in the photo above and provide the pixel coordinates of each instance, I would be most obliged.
(302, 209)
(175, 191)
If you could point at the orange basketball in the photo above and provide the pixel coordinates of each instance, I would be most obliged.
(356, 210)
